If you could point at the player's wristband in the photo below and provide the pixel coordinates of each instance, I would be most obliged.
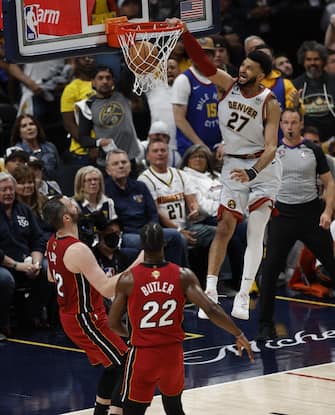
(251, 173)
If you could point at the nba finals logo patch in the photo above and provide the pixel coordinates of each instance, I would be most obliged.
(155, 274)
(31, 22)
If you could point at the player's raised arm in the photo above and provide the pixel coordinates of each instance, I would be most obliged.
(197, 55)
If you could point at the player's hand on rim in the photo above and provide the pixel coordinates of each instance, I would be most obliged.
(174, 21)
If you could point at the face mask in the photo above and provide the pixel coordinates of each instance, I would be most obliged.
(112, 240)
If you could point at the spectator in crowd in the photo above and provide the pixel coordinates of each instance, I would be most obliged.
(89, 193)
(195, 101)
(27, 193)
(78, 89)
(302, 215)
(41, 92)
(135, 207)
(48, 188)
(28, 134)
(107, 113)
(180, 55)
(177, 204)
(221, 55)
(22, 241)
(330, 64)
(282, 63)
(14, 157)
(317, 88)
(330, 33)
(283, 89)
(312, 133)
(285, 92)
(160, 102)
(251, 42)
(160, 131)
(159, 350)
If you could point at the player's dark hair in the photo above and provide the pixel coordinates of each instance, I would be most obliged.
(152, 237)
(53, 212)
(263, 59)
(103, 68)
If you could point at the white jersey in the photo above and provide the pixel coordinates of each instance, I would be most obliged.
(242, 121)
(169, 190)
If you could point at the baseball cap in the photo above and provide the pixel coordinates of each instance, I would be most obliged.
(219, 41)
(159, 127)
(13, 152)
(206, 43)
(35, 162)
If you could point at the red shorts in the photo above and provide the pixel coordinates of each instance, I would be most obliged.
(148, 367)
(91, 333)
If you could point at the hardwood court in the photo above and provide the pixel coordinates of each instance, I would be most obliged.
(42, 373)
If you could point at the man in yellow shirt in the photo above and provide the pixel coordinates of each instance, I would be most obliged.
(284, 90)
(78, 89)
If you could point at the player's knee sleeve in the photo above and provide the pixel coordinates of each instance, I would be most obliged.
(109, 385)
(257, 222)
(172, 405)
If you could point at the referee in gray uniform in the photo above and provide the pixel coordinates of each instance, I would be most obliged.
(302, 214)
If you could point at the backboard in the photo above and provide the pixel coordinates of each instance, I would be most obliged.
(36, 30)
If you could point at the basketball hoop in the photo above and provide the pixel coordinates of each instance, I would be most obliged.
(146, 48)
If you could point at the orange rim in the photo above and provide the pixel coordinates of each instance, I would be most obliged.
(146, 27)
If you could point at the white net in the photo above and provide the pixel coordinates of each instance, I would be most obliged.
(147, 53)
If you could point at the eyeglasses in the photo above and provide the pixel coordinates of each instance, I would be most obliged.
(197, 156)
(92, 179)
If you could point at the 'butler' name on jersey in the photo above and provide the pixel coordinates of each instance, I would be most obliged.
(157, 287)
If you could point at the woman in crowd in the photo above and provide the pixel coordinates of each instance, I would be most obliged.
(28, 134)
(48, 188)
(26, 192)
(197, 163)
(89, 188)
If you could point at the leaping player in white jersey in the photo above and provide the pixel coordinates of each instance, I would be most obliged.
(249, 118)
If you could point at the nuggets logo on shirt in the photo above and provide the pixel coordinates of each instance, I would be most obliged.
(231, 204)
(111, 114)
(138, 198)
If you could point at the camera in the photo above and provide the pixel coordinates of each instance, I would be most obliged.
(93, 229)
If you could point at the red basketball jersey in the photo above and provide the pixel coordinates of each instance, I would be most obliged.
(74, 293)
(156, 305)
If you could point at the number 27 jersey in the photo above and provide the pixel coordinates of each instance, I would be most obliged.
(156, 305)
(242, 120)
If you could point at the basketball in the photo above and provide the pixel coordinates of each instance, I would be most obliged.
(143, 57)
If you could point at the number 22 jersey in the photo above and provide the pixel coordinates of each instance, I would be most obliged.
(156, 305)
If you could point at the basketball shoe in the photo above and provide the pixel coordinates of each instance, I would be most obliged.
(241, 306)
(213, 295)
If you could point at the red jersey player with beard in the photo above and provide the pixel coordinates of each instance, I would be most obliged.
(81, 285)
(153, 293)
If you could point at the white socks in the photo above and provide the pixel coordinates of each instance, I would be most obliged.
(257, 222)
(212, 281)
